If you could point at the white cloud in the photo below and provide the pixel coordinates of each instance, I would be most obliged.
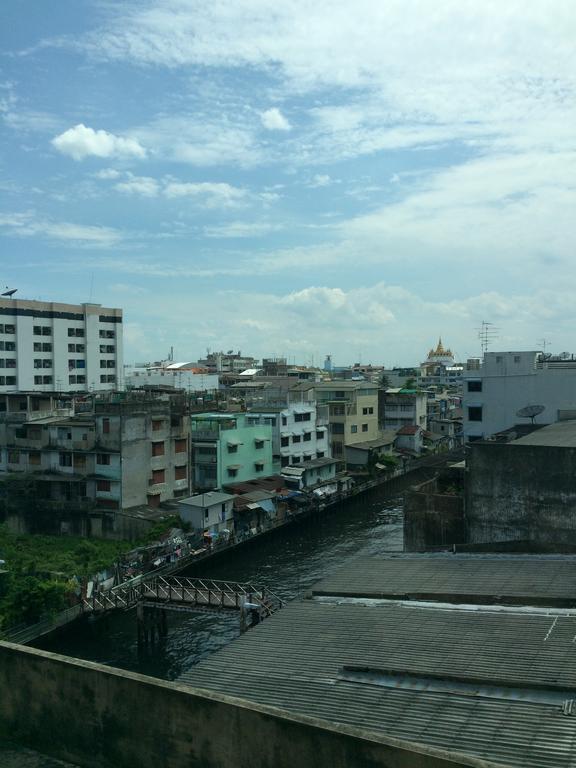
(273, 120)
(28, 224)
(107, 173)
(321, 180)
(145, 186)
(242, 229)
(81, 142)
(218, 195)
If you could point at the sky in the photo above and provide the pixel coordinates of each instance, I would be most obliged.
(294, 179)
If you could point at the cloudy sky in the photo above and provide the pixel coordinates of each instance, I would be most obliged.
(294, 178)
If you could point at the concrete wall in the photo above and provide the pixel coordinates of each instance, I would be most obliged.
(432, 518)
(106, 718)
(521, 492)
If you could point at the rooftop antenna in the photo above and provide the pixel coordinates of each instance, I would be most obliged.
(487, 333)
(543, 343)
(9, 292)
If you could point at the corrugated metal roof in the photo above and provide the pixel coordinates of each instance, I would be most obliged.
(294, 660)
(511, 579)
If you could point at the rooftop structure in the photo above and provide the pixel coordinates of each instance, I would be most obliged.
(491, 682)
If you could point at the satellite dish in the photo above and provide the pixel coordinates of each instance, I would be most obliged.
(530, 411)
(9, 293)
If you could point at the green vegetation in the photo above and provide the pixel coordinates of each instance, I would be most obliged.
(42, 572)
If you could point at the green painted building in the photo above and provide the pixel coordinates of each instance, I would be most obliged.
(225, 450)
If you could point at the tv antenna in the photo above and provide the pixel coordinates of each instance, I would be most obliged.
(487, 333)
(530, 411)
(543, 343)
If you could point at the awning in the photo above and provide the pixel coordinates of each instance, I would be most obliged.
(253, 505)
(233, 442)
(292, 471)
(234, 466)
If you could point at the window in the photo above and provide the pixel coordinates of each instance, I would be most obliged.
(474, 386)
(8, 346)
(34, 458)
(107, 334)
(106, 426)
(42, 347)
(7, 381)
(296, 438)
(364, 427)
(337, 449)
(516, 358)
(103, 459)
(65, 459)
(110, 364)
(337, 429)
(107, 379)
(302, 417)
(284, 421)
(367, 411)
(307, 457)
(180, 473)
(13, 457)
(498, 358)
(307, 437)
(158, 448)
(319, 434)
(232, 448)
(232, 472)
(354, 429)
(46, 330)
(158, 476)
(296, 459)
(259, 466)
(11, 329)
(106, 349)
(46, 363)
(475, 413)
(320, 455)
(338, 410)
(284, 442)
(259, 444)
(78, 348)
(103, 485)
(156, 423)
(37, 379)
(77, 379)
(37, 330)
(76, 332)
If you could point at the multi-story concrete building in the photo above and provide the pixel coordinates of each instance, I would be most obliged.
(99, 457)
(352, 410)
(47, 347)
(299, 432)
(507, 382)
(226, 449)
(228, 362)
(402, 408)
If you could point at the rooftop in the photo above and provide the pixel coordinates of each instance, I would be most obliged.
(206, 499)
(388, 436)
(504, 579)
(476, 681)
(562, 434)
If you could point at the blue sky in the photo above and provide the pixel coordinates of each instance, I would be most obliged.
(294, 179)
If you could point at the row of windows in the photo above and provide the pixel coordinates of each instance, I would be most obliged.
(286, 460)
(76, 379)
(366, 411)
(159, 475)
(7, 346)
(7, 328)
(72, 364)
(107, 349)
(107, 364)
(338, 429)
(108, 379)
(8, 362)
(42, 330)
(8, 381)
(233, 471)
(40, 363)
(78, 348)
(42, 379)
(40, 346)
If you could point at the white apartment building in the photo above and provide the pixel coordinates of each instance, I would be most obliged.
(49, 347)
(507, 382)
(299, 432)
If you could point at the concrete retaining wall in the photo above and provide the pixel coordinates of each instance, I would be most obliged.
(100, 717)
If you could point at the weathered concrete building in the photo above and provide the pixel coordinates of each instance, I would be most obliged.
(92, 458)
(524, 490)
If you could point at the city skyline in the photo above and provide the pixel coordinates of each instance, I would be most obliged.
(294, 181)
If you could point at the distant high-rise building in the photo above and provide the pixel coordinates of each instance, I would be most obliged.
(51, 347)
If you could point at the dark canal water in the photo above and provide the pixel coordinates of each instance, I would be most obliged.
(287, 562)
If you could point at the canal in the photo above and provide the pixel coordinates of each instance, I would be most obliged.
(287, 562)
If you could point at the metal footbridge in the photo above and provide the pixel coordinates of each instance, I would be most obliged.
(178, 593)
